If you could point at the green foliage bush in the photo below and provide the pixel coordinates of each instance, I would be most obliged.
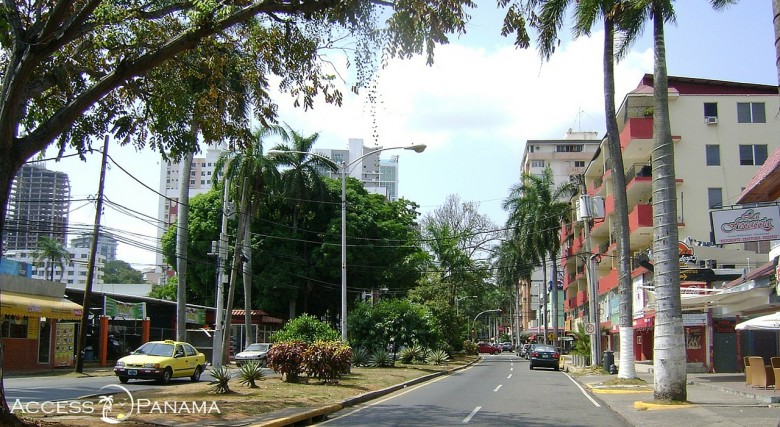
(438, 357)
(360, 357)
(393, 323)
(327, 360)
(409, 354)
(470, 347)
(380, 359)
(250, 372)
(286, 358)
(221, 379)
(306, 328)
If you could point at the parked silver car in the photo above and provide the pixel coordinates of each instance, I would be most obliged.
(257, 352)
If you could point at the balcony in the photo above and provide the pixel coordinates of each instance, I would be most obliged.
(608, 282)
(636, 140)
(581, 298)
(640, 225)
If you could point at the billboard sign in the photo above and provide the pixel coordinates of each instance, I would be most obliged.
(745, 225)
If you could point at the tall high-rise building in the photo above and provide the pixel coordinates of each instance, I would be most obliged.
(38, 207)
(106, 246)
(565, 157)
(200, 182)
(379, 176)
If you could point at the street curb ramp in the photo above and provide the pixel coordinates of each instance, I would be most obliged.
(310, 416)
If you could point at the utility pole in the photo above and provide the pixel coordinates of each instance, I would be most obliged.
(91, 263)
(586, 214)
(216, 355)
(182, 236)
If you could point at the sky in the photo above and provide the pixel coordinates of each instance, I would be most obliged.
(474, 108)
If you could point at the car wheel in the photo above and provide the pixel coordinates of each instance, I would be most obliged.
(531, 366)
(124, 380)
(557, 368)
(264, 363)
(166, 377)
(196, 375)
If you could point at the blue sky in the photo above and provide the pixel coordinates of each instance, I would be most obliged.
(474, 108)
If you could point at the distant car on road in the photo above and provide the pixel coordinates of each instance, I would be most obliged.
(545, 355)
(257, 352)
(484, 347)
(506, 346)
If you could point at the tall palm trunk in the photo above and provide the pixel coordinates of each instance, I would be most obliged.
(543, 289)
(554, 296)
(182, 220)
(669, 348)
(627, 368)
(776, 14)
(249, 336)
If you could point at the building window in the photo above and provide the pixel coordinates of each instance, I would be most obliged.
(579, 163)
(569, 148)
(202, 182)
(751, 112)
(14, 327)
(710, 109)
(192, 182)
(537, 163)
(752, 155)
(713, 155)
(715, 197)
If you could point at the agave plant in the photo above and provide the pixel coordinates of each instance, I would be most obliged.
(438, 357)
(360, 357)
(422, 354)
(380, 358)
(250, 372)
(221, 377)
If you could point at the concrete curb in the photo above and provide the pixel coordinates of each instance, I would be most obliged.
(315, 413)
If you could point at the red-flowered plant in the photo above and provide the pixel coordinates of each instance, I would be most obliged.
(327, 360)
(286, 358)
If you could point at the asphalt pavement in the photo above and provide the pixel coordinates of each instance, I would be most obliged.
(714, 400)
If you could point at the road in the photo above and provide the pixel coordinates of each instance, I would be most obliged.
(500, 390)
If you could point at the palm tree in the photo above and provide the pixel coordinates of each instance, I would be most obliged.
(51, 251)
(537, 208)
(251, 173)
(586, 15)
(301, 183)
(510, 268)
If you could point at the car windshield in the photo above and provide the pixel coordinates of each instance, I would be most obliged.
(545, 348)
(155, 349)
(257, 347)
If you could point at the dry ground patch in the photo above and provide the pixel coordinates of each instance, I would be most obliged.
(271, 394)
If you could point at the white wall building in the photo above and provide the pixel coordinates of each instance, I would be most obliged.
(379, 176)
(565, 157)
(200, 182)
(75, 271)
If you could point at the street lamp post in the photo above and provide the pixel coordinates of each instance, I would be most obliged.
(458, 299)
(474, 322)
(417, 148)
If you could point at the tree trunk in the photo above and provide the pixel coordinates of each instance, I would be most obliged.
(182, 234)
(543, 290)
(627, 368)
(776, 14)
(554, 297)
(669, 342)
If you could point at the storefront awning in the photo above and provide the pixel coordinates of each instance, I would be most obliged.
(16, 304)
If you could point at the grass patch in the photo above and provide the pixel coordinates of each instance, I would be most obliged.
(271, 395)
(625, 382)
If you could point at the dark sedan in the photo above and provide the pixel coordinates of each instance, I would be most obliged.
(545, 355)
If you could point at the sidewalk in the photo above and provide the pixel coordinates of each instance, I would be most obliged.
(714, 400)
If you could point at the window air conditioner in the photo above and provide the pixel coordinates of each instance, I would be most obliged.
(711, 120)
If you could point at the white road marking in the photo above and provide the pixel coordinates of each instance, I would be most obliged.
(510, 376)
(583, 391)
(471, 415)
(496, 389)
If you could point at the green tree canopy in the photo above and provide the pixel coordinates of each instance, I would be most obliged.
(392, 322)
(118, 271)
(306, 328)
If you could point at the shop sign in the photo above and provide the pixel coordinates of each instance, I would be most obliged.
(196, 315)
(745, 225)
(124, 310)
(694, 319)
(724, 326)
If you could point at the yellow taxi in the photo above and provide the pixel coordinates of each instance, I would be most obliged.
(161, 360)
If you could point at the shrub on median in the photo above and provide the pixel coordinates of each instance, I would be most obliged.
(324, 360)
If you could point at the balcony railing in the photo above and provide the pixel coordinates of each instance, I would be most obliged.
(639, 170)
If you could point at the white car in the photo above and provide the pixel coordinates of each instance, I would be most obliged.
(256, 351)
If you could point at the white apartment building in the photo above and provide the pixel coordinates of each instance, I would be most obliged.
(379, 176)
(75, 271)
(565, 157)
(200, 182)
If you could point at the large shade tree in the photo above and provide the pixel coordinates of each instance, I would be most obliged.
(74, 71)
